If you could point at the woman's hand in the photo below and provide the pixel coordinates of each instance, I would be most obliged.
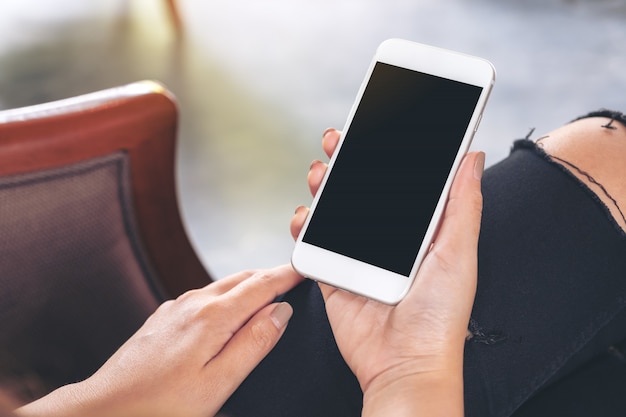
(188, 357)
(408, 358)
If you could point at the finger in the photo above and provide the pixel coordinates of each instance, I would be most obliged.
(447, 278)
(246, 349)
(460, 226)
(326, 290)
(330, 139)
(297, 221)
(450, 268)
(225, 284)
(339, 298)
(254, 293)
(315, 176)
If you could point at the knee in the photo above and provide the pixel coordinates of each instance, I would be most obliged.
(594, 150)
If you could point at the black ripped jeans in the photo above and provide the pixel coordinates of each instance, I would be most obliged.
(548, 321)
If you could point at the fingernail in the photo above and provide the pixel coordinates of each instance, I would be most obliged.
(479, 165)
(298, 209)
(327, 131)
(281, 315)
(315, 162)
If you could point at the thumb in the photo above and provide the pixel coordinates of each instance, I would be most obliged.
(449, 271)
(460, 225)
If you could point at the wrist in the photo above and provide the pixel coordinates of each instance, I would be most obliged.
(71, 400)
(413, 391)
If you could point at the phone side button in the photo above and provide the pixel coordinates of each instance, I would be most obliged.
(480, 117)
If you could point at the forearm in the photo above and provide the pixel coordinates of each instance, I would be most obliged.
(423, 394)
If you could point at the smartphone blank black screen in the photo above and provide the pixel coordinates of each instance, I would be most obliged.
(392, 167)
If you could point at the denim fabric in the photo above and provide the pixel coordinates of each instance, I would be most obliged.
(548, 317)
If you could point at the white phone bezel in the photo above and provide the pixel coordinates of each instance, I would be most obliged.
(359, 277)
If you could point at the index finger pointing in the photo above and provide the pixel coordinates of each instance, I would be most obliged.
(259, 290)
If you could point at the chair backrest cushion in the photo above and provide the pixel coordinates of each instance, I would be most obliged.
(74, 283)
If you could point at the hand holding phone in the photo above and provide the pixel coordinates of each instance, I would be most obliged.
(429, 325)
(367, 232)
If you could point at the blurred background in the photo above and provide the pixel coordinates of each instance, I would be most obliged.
(258, 81)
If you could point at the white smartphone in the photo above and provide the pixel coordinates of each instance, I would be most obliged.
(375, 214)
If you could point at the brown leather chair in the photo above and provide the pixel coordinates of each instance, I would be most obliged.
(91, 239)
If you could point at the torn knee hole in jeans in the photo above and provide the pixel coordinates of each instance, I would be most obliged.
(477, 334)
(575, 169)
